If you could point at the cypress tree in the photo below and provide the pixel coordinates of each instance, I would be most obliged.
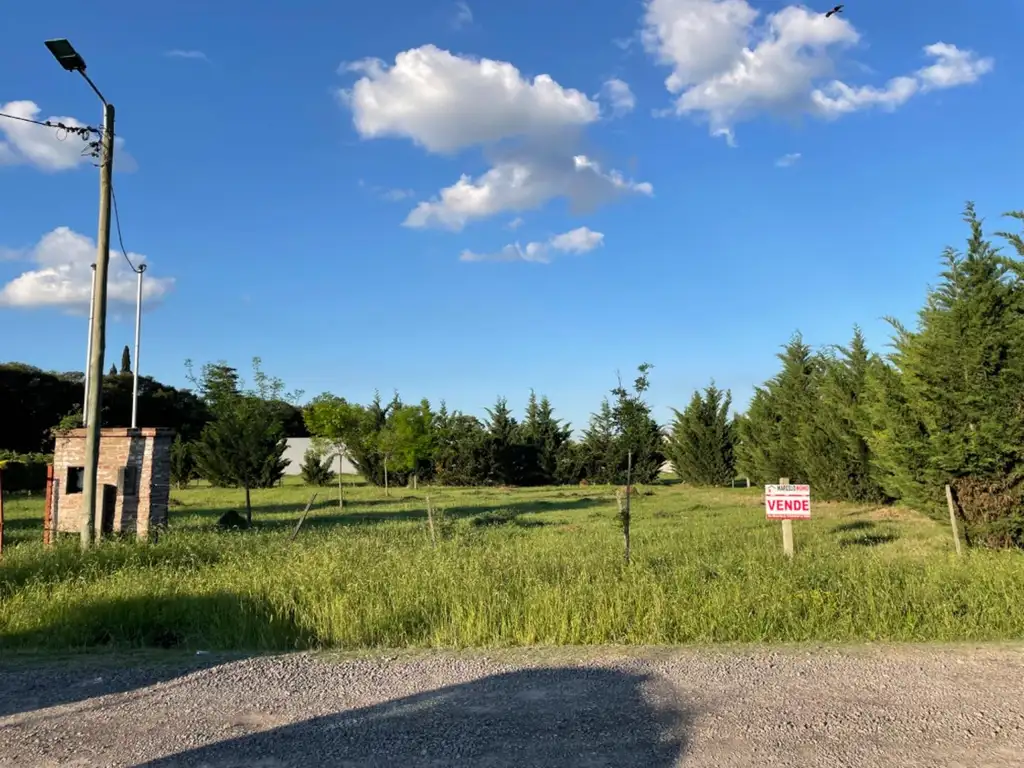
(770, 444)
(702, 441)
(547, 437)
(961, 385)
(126, 360)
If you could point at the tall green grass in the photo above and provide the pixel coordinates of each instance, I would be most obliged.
(510, 568)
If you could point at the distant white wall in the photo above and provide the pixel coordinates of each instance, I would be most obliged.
(296, 450)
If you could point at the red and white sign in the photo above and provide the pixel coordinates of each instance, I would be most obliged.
(787, 502)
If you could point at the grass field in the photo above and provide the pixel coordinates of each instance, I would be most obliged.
(511, 567)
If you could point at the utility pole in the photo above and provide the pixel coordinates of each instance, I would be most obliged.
(71, 61)
(88, 349)
(138, 335)
(99, 332)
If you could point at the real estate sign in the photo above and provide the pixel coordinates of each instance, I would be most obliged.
(787, 502)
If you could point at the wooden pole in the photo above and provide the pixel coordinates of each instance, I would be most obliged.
(303, 518)
(952, 520)
(430, 520)
(787, 528)
(1, 512)
(48, 509)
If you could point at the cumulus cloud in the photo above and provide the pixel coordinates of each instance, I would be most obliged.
(728, 67)
(619, 96)
(787, 160)
(531, 130)
(523, 182)
(48, 149)
(580, 240)
(62, 276)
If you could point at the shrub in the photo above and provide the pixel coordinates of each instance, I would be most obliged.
(24, 471)
(316, 468)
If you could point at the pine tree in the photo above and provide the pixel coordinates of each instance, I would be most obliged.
(961, 384)
(243, 447)
(183, 465)
(548, 439)
(835, 452)
(126, 360)
(316, 468)
(595, 451)
(507, 456)
(770, 445)
(112, 371)
(702, 441)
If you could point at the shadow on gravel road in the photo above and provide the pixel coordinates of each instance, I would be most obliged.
(30, 684)
(539, 717)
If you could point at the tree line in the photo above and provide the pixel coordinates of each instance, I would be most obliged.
(944, 406)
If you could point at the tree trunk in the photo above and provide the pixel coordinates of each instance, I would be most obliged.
(386, 491)
(248, 506)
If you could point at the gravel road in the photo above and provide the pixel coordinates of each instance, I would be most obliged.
(874, 706)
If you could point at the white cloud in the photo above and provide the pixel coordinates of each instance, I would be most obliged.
(580, 240)
(515, 224)
(463, 15)
(530, 128)
(446, 103)
(49, 149)
(729, 68)
(178, 53)
(63, 278)
(619, 96)
(787, 160)
(523, 182)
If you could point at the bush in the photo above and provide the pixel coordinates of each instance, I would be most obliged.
(316, 468)
(183, 463)
(24, 471)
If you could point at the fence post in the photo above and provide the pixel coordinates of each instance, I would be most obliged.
(952, 520)
(48, 509)
(787, 528)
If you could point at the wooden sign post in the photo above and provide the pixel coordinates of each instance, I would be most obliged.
(787, 503)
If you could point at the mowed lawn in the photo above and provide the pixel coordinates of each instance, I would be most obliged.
(510, 567)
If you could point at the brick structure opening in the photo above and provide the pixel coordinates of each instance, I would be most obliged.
(133, 485)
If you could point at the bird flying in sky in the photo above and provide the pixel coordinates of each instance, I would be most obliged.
(837, 9)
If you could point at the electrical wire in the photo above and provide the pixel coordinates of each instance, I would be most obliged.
(81, 130)
(84, 132)
(117, 222)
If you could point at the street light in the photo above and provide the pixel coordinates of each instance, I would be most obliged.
(72, 61)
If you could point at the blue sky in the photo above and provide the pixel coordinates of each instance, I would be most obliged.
(283, 166)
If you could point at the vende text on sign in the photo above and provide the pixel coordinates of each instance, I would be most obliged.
(787, 502)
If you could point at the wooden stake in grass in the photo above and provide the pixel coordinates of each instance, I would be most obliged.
(952, 520)
(303, 518)
(787, 528)
(1, 509)
(624, 505)
(430, 522)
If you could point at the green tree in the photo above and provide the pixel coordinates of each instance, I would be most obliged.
(113, 370)
(769, 434)
(960, 388)
(508, 461)
(183, 463)
(548, 440)
(244, 445)
(702, 441)
(126, 360)
(316, 467)
(623, 431)
(462, 449)
(835, 453)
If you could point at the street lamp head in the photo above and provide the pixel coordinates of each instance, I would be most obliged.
(66, 55)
